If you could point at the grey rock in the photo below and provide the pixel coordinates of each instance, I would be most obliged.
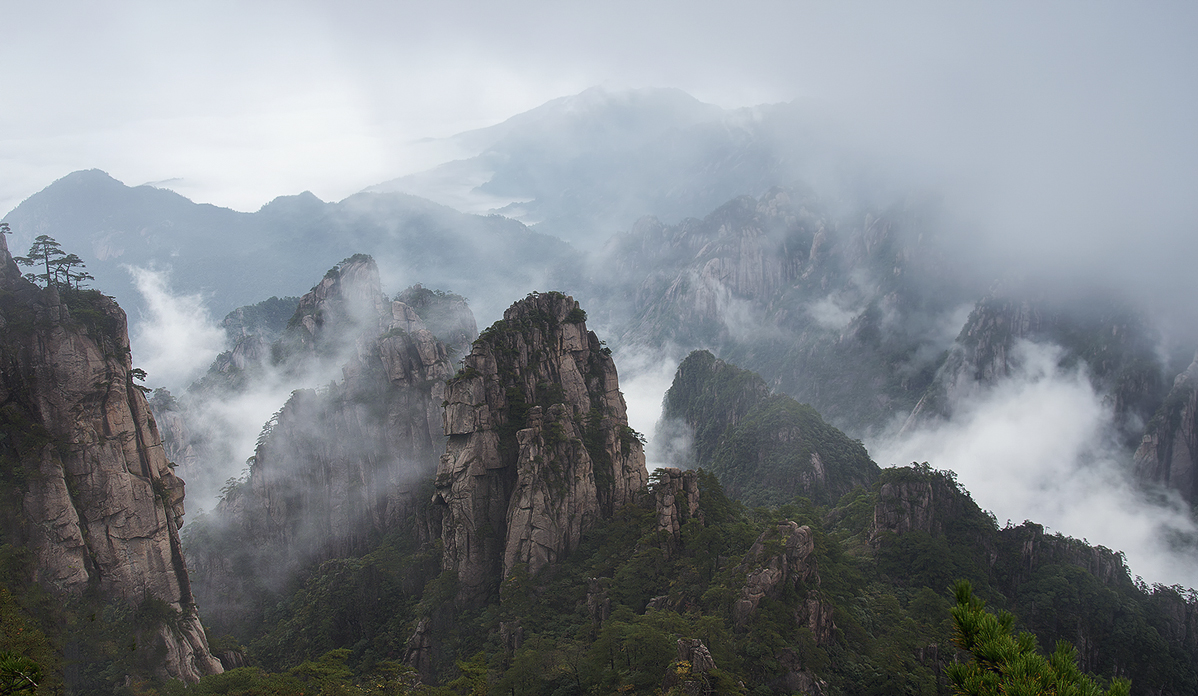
(101, 509)
(539, 446)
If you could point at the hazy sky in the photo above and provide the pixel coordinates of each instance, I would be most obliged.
(235, 103)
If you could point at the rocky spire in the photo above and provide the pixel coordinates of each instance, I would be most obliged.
(95, 499)
(339, 466)
(539, 445)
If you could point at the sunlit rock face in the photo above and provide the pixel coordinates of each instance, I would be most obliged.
(339, 466)
(1168, 454)
(93, 496)
(539, 445)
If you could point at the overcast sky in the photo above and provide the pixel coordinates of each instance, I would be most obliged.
(235, 103)
(1066, 130)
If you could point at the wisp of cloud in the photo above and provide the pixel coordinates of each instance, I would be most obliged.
(1037, 446)
(175, 339)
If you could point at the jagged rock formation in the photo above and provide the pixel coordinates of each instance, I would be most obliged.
(539, 445)
(338, 466)
(1114, 344)
(919, 500)
(780, 557)
(839, 311)
(676, 494)
(1168, 454)
(765, 449)
(90, 492)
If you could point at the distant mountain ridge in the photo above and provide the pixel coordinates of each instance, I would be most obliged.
(585, 166)
(235, 259)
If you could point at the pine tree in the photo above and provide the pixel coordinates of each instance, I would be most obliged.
(44, 252)
(1009, 664)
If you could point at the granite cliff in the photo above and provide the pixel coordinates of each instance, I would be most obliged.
(90, 492)
(338, 466)
(1168, 454)
(539, 445)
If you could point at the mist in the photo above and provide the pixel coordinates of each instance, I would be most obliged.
(1039, 446)
(175, 339)
(645, 376)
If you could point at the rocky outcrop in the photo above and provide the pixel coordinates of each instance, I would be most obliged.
(339, 466)
(96, 501)
(782, 557)
(1034, 549)
(676, 494)
(921, 499)
(919, 505)
(539, 445)
(689, 674)
(177, 439)
(1168, 454)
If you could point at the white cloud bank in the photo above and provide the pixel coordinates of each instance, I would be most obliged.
(1037, 446)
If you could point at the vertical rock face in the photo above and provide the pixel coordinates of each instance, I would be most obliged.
(1168, 454)
(337, 466)
(99, 506)
(920, 499)
(539, 445)
(342, 463)
(677, 499)
(836, 308)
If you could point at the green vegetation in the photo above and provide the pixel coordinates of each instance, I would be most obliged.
(1003, 663)
(766, 449)
(869, 616)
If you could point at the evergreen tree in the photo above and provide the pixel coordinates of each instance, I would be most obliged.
(57, 265)
(1009, 664)
(44, 252)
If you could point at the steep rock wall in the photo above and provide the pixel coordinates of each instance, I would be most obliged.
(1168, 454)
(339, 466)
(100, 507)
(836, 308)
(539, 445)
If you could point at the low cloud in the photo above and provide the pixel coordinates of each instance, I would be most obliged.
(832, 312)
(175, 338)
(645, 376)
(1039, 446)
